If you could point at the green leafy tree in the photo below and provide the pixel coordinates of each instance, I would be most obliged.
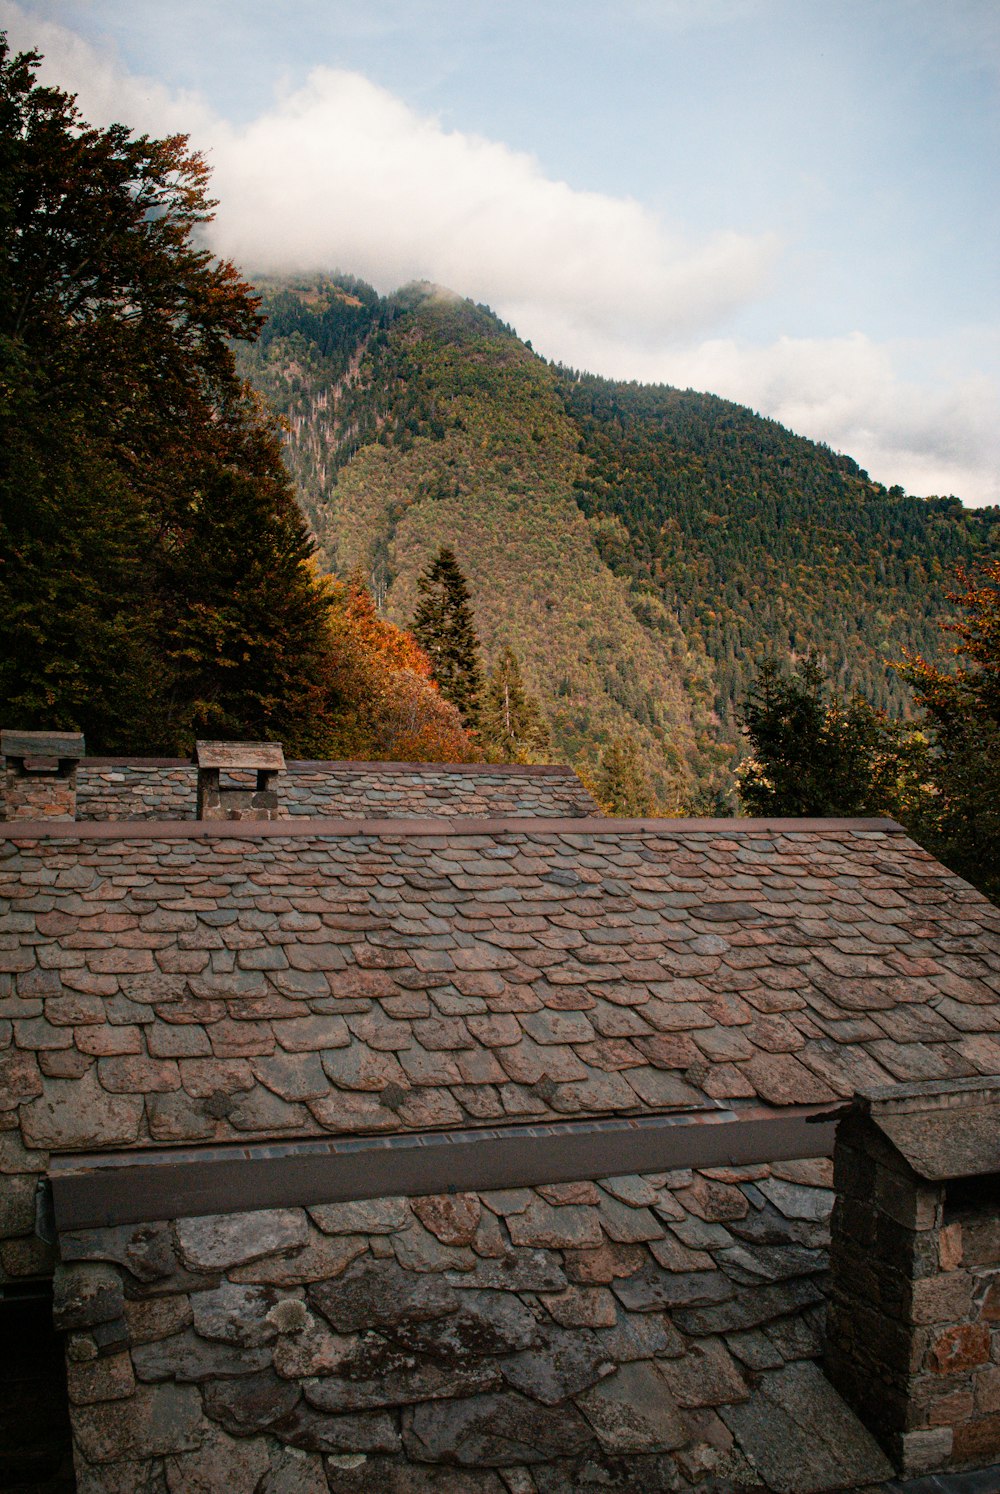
(814, 754)
(512, 728)
(443, 626)
(154, 577)
(620, 784)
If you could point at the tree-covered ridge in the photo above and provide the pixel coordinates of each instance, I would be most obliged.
(761, 542)
(643, 548)
(444, 429)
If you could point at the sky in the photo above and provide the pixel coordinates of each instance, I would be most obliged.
(792, 203)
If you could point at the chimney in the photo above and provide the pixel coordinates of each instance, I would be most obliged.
(913, 1329)
(238, 801)
(39, 770)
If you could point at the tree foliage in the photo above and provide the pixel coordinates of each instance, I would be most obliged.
(512, 728)
(156, 580)
(443, 626)
(644, 548)
(763, 544)
(960, 819)
(814, 753)
(441, 428)
(620, 784)
(387, 704)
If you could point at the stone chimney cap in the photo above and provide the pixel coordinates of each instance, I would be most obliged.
(266, 757)
(944, 1129)
(61, 744)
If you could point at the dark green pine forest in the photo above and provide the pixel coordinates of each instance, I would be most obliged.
(644, 549)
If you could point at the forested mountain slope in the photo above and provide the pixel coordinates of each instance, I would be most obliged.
(761, 541)
(642, 548)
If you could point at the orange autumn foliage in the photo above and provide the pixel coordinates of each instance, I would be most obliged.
(388, 707)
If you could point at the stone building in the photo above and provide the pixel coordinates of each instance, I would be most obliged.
(434, 1132)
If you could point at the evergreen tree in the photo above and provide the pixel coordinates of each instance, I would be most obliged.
(814, 754)
(443, 626)
(621, 786)
(511, 725)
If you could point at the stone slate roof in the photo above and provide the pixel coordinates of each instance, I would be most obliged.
(186, 983)
(645, 1332)
(166, 789)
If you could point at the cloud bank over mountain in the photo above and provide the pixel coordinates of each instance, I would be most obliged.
(341, 174)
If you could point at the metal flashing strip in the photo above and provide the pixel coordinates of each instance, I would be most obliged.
(95, 1190)
(342, 766)
(302, 826)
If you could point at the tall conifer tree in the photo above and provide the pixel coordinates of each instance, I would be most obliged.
(511, 724)
(621, 785)
(443, 626)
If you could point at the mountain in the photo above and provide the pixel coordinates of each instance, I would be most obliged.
(641, 547)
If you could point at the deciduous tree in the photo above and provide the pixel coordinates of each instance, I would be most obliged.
(960, 820)
(387, 704)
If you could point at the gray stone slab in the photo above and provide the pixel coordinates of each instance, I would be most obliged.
(485, 1324)
(221, 1240)
(652, 1288)
(382, 1294)
(634, 1411)
(750, 1307)
(253, 1403)
(160, 1420)
(750, 1264)
(566, 1361)
(235, 1314)
(189, 1359)
(519, 1271)
(494, 1431)
(802, 1437)
(422, 1380)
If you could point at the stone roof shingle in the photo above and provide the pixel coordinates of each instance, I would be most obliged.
(183, 983)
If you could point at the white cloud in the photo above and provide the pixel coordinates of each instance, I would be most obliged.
(849, 393)
(341, 174)
(931, 436)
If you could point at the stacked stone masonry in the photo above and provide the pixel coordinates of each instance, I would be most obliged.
(39, 796)
(38, 774)
(166, 789)
(914, 1333)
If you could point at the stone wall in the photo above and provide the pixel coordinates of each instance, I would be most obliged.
(38, 795)
(643, 1332)
(166, 789)
(136, 789)
(914, 1331)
